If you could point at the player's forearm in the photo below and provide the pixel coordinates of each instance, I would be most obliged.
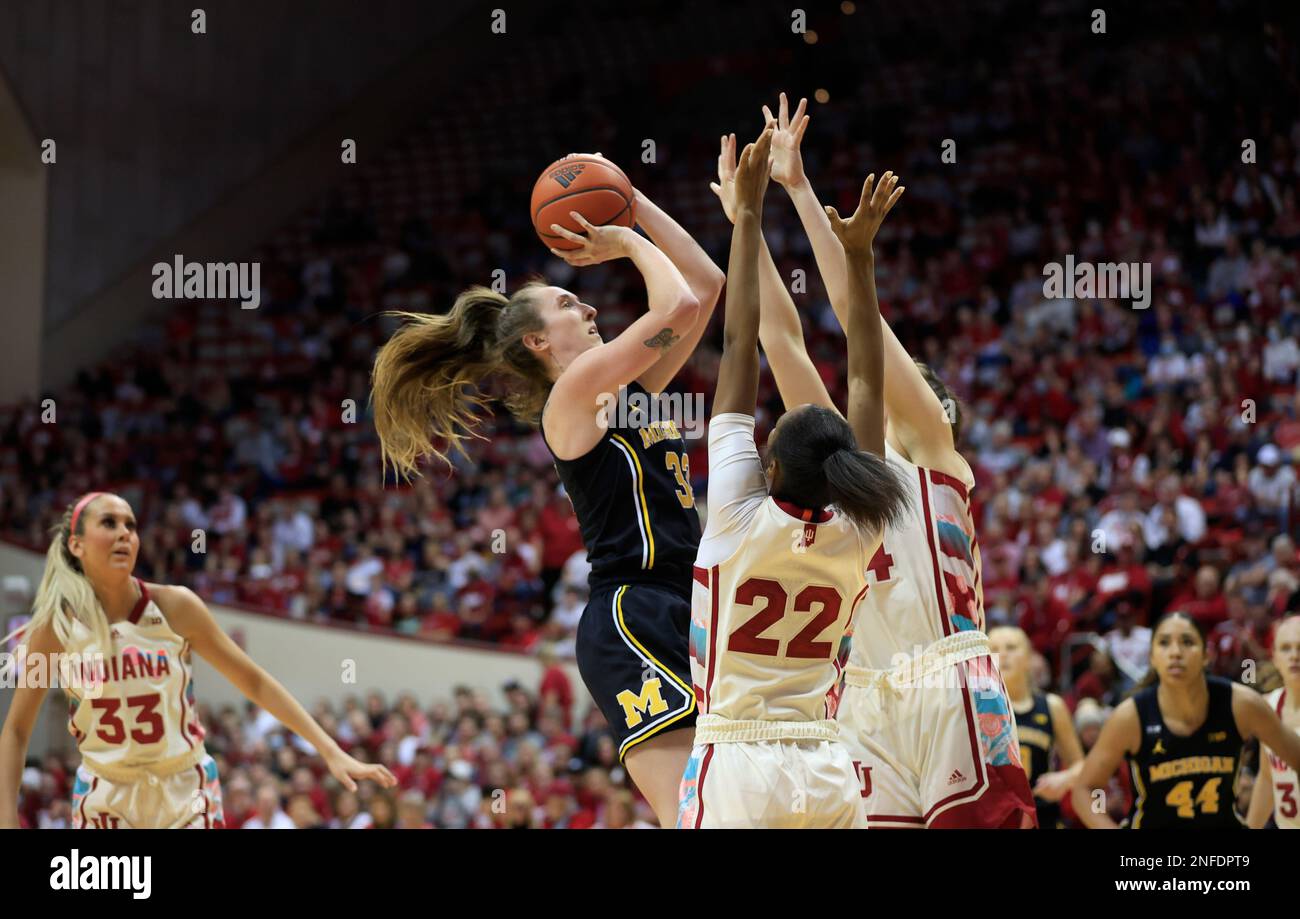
(741, 320)
(703, 277)
(13, 750)
(914, 409)
(778, 317)
(272, 696)
(666, 290)
(866, 355)
(827, 251)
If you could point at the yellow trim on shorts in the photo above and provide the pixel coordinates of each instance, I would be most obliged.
(690, 692)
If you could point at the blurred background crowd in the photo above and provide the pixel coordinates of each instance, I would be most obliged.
(1129, 462)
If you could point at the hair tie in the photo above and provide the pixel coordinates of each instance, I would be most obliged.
(81, 506)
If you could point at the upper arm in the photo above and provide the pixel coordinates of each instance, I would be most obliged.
(922, 424)
(1120, 735)
(737, 390)
(797, 379)
(737, 485)
(1068, 747)
(602, 370)
(189, 617)
(661, 372)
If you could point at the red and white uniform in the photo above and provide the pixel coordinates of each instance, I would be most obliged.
(1286, 784)
(925, 711)
(774, 593)
(132, 713)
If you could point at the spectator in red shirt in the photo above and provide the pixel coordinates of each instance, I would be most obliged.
(1240, 637)
(411, 811)
(441, 621)
(558, 805)
(555, 689)
(1205, 602)
(1099, 681)
(558, 526)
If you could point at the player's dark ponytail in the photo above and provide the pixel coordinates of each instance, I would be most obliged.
(821, 465)
(424, 386)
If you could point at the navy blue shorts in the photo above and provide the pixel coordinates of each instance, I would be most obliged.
(633, 654)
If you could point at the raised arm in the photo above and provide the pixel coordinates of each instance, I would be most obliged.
(866, 414)
(779, 330)
(921, 424)
(738, 371)
(704, 279)
(673, 312)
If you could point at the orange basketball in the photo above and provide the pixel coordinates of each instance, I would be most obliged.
(590, 185)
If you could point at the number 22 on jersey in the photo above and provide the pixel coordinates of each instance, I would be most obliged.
(748, 637)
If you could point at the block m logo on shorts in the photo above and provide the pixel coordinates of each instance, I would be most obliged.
(650, 701)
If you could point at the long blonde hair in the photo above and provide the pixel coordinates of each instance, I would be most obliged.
(424, 378)
(65, 595)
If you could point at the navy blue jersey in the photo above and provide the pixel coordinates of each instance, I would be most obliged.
(1037, 737)
(1187, 782)
(633, 499)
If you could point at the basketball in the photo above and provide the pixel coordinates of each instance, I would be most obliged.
(582, 182)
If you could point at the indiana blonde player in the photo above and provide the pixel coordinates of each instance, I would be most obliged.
(128, 648)
(1277, 787)
(924, 707)
(1044, 727)
(781, 562)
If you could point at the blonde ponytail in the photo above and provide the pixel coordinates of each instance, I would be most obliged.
(65, 594)
(427, 380)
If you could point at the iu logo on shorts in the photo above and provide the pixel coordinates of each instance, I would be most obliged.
(105, 822)
(864, 777)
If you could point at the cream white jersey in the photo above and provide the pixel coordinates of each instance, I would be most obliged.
(1286, 783)
(135, 706)
(924, 579)
(774, 592)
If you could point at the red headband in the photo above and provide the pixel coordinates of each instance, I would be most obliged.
(81, 506)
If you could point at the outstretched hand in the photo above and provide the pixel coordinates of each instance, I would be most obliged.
(752, 173)
(857, 233)
(787, 162)
(347, 769)
(725, 187)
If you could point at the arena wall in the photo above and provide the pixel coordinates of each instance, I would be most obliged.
(315, 661)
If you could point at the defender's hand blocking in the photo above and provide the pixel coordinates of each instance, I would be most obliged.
(857, 233)
(752, 173)
(787, 163)
(725, 187)
(601, 244)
